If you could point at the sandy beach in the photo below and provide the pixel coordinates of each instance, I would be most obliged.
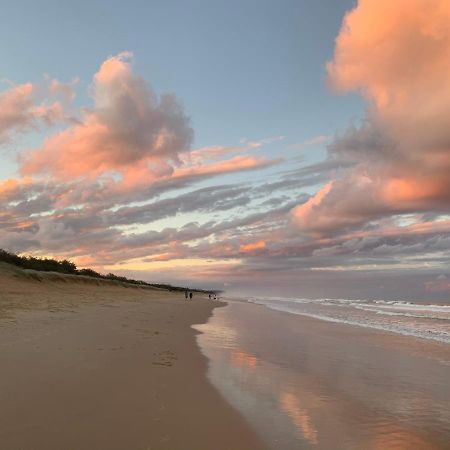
(91, 364)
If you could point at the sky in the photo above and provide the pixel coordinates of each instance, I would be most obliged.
(289, 148)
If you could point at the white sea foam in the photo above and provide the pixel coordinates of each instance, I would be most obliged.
(421, 320)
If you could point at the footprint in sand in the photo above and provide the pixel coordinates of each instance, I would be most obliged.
(166, 358)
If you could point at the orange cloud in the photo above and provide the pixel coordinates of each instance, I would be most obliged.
(252, 247)
(8, 187)
(12, 187)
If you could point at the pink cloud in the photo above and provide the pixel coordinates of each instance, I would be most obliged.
(128, 130)
(397, 55)
(208, 154)
(202, 155)
(21, 109)
(129, 145)
(234, 164)
(408, 59)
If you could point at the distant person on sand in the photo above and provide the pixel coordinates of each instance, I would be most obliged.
(186, 294)
(190, 295)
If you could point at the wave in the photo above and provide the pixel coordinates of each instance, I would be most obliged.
(421, 320)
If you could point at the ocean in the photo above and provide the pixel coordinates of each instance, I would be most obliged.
(334, 374)
(420, 319)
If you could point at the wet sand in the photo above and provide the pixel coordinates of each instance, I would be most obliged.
(306, 383)
(89, 365)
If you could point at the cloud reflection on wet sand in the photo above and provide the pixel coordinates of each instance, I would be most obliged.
(309, 384)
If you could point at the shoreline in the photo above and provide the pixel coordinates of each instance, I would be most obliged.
(396, 313)
(108, 367)
(304, 382)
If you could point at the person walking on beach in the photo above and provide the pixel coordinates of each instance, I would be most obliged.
(190, 295)
(186, 295)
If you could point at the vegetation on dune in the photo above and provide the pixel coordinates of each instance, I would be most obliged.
(68, 267)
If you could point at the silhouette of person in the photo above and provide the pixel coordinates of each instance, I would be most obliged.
(190, 295)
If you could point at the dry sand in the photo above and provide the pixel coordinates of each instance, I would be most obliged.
(89, 364)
